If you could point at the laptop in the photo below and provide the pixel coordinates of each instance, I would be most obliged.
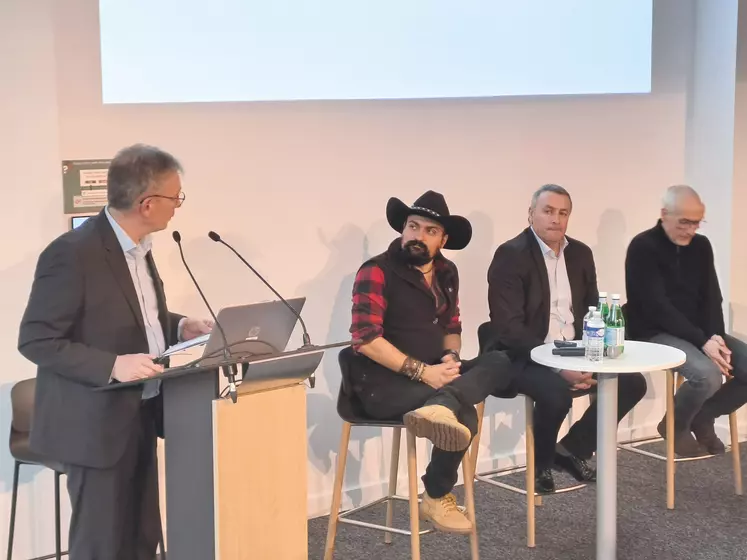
(258, 328)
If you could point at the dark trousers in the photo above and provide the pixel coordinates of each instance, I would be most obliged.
(116, 512)
(553, 398)
(394, 395)
(704, 397)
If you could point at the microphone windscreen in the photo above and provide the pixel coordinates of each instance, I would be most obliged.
(177, 236)
(214, 236)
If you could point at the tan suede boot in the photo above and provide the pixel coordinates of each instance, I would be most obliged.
(444, 514)
(439, 424)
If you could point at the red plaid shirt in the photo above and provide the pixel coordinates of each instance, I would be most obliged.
(369, 304)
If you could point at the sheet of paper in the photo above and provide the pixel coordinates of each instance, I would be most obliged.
(187, 344)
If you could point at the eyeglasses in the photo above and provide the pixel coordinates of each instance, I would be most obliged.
(684, 223)
(178, 200)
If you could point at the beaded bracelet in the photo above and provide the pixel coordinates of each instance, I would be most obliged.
(413, 368)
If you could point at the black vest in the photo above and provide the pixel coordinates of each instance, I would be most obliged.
(410, 321)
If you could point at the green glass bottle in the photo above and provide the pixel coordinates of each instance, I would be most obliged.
(614, 334)
(602, 306)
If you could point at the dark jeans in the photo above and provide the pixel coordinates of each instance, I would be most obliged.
(704, 398)
(389, 396)
(553, 398)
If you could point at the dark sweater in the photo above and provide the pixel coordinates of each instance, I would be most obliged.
(672, 289)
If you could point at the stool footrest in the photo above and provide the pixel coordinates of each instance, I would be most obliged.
(343, 517)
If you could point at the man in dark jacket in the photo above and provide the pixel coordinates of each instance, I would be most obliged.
(674, 298)
(541, 284)
(97, 315)
(406, 313)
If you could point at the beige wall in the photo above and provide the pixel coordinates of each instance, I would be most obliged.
(300, 188)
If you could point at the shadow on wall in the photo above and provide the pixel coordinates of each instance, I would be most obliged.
(218, 271)
(609, 252)
(329, 295)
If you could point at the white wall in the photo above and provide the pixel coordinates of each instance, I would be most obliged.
(301, 189)
(29, 156)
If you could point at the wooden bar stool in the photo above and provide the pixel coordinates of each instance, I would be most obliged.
(533, 499)
(676, 380)
(351, 412)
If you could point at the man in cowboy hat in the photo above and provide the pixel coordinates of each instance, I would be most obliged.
(541, 284)
(406, 315)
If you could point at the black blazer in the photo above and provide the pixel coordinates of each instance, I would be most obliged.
(82, 312)
(519, 293)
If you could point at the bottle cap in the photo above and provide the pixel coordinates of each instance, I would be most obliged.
(615, 296)
(592, 307)
(603, 294)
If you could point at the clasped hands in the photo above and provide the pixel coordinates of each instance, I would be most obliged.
(442, 374)
(719, 354)
(578, 380)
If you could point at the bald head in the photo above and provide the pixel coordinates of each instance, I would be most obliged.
(681, 213)
(679, 195)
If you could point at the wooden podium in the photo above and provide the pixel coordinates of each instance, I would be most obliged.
(236, 472)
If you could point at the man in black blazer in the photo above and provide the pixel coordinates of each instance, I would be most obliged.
(541, 284)
(96, 315)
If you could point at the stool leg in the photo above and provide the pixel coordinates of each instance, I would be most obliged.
(13, 503)
(412, 472)
(162, 545)
(734, 432)
(529, 412)
(469, 499)
(393, 467)
(475, 446)
(57, 537)
(342, 456)
(670, 439)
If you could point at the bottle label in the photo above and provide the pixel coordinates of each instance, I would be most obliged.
(594, 332)
(614, 336)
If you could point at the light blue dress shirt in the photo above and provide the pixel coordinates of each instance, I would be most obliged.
(146, 294)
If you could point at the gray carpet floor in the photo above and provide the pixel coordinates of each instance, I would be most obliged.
(709, 521)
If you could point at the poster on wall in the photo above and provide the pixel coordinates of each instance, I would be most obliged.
(84, 185)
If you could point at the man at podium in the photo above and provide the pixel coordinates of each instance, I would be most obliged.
(406, 313)
(96, 315)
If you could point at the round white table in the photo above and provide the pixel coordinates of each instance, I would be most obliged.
(637, 356)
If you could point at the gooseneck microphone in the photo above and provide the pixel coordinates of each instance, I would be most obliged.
(228, 370)
(306, 339)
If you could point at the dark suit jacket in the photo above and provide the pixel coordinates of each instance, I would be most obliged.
(519, 293)
(82, 312)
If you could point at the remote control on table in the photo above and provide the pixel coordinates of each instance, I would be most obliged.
(565, 344)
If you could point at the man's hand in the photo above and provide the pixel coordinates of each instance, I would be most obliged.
(130, 367)
(192, 328)
(448, 359)
(442, 374)
(578, 380)
(719, 354)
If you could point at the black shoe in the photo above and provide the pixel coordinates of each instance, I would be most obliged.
(543, 482)
(706, 436)
(684, 442)
(578, 468)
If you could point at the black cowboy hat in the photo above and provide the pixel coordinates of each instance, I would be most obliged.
(431, 205)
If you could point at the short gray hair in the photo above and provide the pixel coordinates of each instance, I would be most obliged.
(133, 170)
(675, 193)
(557, 189)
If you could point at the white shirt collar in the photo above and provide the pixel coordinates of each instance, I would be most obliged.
(125, 240)
(544, 247)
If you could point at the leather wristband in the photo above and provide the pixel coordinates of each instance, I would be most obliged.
(453, 353)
